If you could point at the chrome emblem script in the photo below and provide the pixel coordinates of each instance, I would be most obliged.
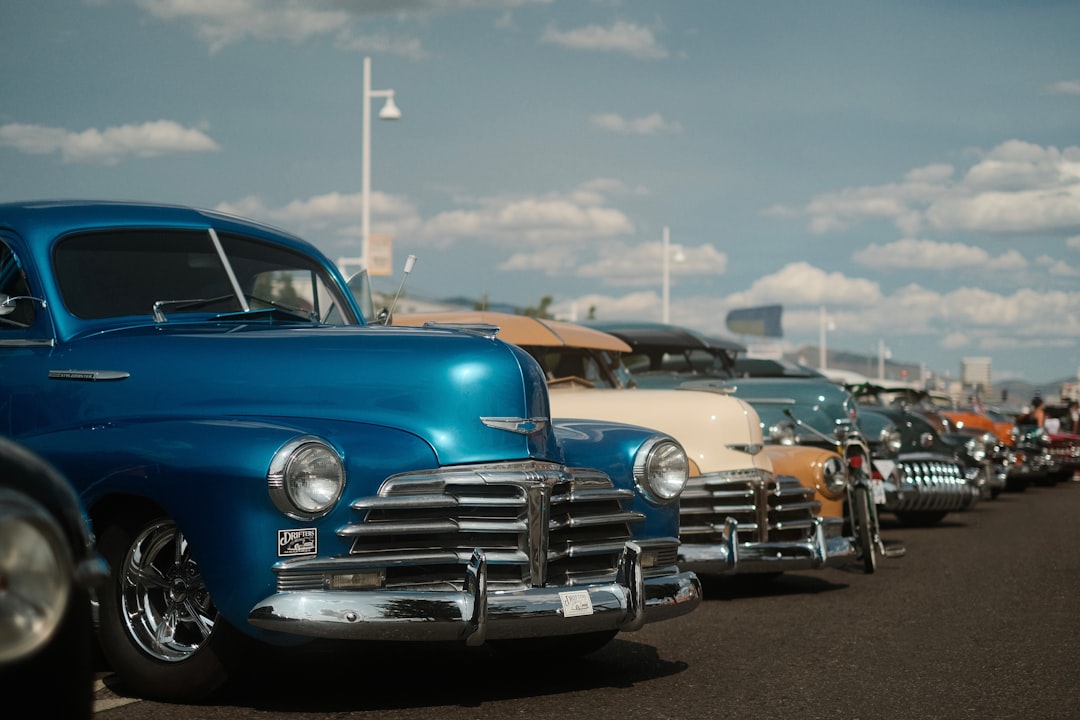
(524, 426)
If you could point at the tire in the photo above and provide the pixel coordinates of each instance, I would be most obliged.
(864, 530)
(920, 518)
(562, 646)
(154, 584)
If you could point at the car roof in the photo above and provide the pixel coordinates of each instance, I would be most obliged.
(664, 335)
(522, 330)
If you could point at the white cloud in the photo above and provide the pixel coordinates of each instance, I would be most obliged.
(1016, 187)
(1055, 267)
(109, 146)
(333, 220)
(1073, 243)
(224, 22)
(556, 218)
(800, 283)
(621, 37)
(913, 254)
(1065, 87)
(652, 124)
(642, 263)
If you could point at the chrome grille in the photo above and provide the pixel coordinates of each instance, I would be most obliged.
(537, 523)
(768, 508)
(937, 484)
(1065, 453)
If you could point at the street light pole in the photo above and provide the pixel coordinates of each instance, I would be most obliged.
(389, 112)
(665, 303)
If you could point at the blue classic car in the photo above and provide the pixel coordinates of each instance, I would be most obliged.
(260, 465)
(48, 568)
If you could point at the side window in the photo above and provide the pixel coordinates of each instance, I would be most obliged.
(14, 313)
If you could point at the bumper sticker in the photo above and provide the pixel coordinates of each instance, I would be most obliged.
(302, 541)
(576, 603)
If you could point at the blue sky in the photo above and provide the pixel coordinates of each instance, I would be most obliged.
(912, 167)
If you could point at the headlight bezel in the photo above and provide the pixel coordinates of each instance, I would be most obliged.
(834, 477)
(661, 469)
(295, 490)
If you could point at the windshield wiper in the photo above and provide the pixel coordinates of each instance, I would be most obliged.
(271, 306)
(238, 293)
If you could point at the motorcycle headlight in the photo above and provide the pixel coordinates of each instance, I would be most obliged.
(783, 433)
(891, 440)
(306, 478)
(35, 574)
(661, 469)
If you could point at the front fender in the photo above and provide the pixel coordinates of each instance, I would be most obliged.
(612, 448)
(209, 476)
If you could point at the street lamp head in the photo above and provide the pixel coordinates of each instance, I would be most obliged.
(390, 110)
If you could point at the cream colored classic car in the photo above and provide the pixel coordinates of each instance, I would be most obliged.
(748, 507)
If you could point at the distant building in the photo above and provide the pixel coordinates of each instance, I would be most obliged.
(975, 373)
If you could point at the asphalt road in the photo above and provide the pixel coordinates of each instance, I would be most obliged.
(980, 619)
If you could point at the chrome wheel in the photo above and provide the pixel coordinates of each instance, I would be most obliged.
(165, 605)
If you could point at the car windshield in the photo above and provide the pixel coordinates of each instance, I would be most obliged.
(683, 361)
(591, 368)
(167, 272)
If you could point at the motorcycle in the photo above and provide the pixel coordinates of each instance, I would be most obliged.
(862, 495)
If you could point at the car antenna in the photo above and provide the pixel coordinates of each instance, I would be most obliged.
(386, 316)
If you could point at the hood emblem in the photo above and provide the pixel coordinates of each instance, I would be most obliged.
(524, 426)
(748, 448)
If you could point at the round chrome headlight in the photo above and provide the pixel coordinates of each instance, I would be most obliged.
(306, 478)
(976, 448)
(891, 439)
(834, 476)
(783, 433)
(661, 469)
(35, 574)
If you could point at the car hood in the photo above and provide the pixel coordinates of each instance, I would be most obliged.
(439, 385)
(718, 432)
(821, 405)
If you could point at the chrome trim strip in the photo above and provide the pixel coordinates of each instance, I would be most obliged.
(27, 342)
(89, 375)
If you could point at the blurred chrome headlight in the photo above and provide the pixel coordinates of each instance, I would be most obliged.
(36, 575)
(976, 449)
(891, 439)
(306, 478)
(834, 476)
(661, 469)
(783, 433)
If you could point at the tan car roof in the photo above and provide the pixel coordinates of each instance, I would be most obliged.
(522, 329)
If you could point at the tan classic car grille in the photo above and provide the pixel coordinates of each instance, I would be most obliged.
(537, 523)
(767, 508)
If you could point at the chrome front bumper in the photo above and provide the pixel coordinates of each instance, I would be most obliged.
(474, 615)
(733, 557)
